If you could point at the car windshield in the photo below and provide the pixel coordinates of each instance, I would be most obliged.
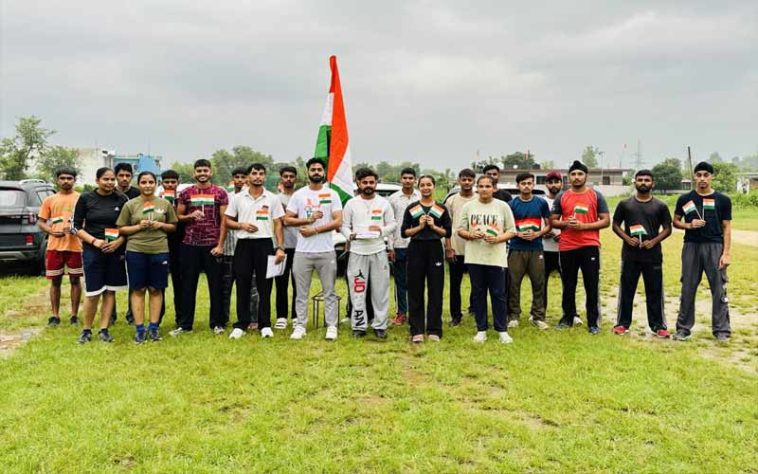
(12, 198)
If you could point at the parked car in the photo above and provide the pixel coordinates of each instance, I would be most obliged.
(20, 238)
(538, 190)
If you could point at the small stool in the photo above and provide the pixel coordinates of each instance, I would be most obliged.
(317, 299)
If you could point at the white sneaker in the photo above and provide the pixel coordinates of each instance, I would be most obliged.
(281, 323)
(541, 324)
(481, 336)
(298, 333)
(331, 333)
(267, 332)
(236, 333)
(218, 330)
(177, 332)
(513, 323)
(577, 321)
(505, 338)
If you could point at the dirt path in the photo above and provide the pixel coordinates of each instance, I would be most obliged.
(745, 237)
(12, 339)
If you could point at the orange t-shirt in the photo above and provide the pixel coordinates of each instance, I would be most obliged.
(58, 210)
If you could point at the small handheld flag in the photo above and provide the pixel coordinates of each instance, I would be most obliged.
(689, 207)
(437, 211)
(111, 234)
(709, 204)
(491, 230)
(169, 195)
(57, 220)
(148, 208)
(416, 211)
(637, 230)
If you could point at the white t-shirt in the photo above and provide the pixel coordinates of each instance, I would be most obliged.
(260, 211)
(359, 215)
(290, 232)
(304, 203)
(400, 202)
(548, 244)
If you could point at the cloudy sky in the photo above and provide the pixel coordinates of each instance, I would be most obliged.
(433, 82)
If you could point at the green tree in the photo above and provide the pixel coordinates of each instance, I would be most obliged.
(518, 160)
(589, 156)
(725, 176)
(715, 157)
(225, 161)
(17, 152)
(56, 157)
(668, 174)
(185, 170)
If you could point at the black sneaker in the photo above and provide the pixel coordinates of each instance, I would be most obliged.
(153, 335)
(73, 320)
(85, 337)
(129, 319)
(455, 322)
(380, 333)
(140, 337)
(681, 336)
(52, 321)
(594, 330)
(359, 333)
(563, 325)
(105, 336)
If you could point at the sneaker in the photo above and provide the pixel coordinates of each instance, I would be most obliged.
(417, 339)
(594, 330)
(433, 338)
(505, 338)
(513, 323)
(129, 319)
(722, 337)
(218, 330)
(153, 335)
(331, 333)
(266, 333)
(298, 333)
(380, 333)
(563, 325)
(105, 336)
(178, 331)
(52, 321)
(359, 333)
(662, 333)
(577, 321)
(140, 337)
(620, 330)
(281, 323)
(681, 336)
(399, 319)
(73, 320)
(252, 326)
(541, 324)
(481, 336)
(84, 337)
(235, 334)
(455, 322)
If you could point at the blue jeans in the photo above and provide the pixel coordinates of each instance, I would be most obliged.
(401, 288)
(494, 279)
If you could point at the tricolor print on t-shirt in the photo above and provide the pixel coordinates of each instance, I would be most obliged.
(262, 214)
(581, 209)
(376, 214)
(528, 223)
(325, 198)
(202, 200)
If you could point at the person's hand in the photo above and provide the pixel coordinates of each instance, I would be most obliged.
(557, 237)
(98, 244)
(375, 228)
(422, 222)
(724, 261)
(527, 235)
(248, 227)
(391, 255)
(476, 234)
(549, 235)
(450, 255)
(646, 244)
(217, 251)
(110, 247)
(575, 224)
(197, 214)
(307, 231)
(279, 256)
(492, 239)
(632, 241)
(145, 224)
(697, 223)
(317, 215)
(58, 233)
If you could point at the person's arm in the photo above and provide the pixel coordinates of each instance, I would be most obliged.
(218, 250)
(726, 253)
(347, 222)
(409, 230)
(390, 224)
(603, 221)
(291, 219)
(556, 214)
(335, 224)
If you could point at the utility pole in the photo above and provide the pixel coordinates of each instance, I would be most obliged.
(638, 156)
(689, 165)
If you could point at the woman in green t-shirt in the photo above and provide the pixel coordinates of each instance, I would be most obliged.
(146, 220)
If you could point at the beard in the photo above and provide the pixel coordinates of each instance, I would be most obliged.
(643, 189)
(316, 179)
(367, 191)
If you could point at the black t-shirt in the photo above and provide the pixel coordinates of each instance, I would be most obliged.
(438, 212)
(713, 208)
(646, 218)
(95, 212)
(502, 195)
(131, 193)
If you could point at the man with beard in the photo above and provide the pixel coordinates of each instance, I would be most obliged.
(201, 207)
(124, 173)
(399, 244)
(493, 172)
(287, 179)
(580, 212)
(64, 249)
(317, 212)
(554, 184)
(643, 217)
(706, 217)
(255, 214)
(367, 220)
(455, 246)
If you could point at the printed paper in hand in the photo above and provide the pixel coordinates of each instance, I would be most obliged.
(274, 269)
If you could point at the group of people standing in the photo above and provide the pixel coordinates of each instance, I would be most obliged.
(122, 237)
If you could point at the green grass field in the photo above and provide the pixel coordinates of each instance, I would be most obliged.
(551, 402)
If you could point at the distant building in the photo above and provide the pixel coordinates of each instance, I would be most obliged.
(91, 159)
(597, 176)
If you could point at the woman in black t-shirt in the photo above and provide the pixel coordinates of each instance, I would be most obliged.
(103, 251)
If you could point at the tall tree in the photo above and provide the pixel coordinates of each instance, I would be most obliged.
(518, 160)
(225, 161)
(725, 176)
(715, 157)
(185, 171)
(589, 156)
(668, 174)
(18, 151)
(56, 157)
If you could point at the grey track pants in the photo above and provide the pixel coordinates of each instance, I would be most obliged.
(362, 269)
(325, 264)
(696, 259)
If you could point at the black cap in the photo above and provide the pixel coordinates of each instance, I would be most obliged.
(578, 165)
(703, 166)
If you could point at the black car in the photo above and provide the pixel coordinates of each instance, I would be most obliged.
(20, 238)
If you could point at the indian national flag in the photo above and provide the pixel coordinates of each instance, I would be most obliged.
(261, 214)
(416, 212)
(111, 234)
(581, 209)
(57, 220)
(376, 214)
(492, 230)
(437, 211)
(324, 198)
(148, 207)
(332, 143)
(528, 223)
(709, 204)
(689, 207)
(169, 195)
(202, 200)
(637, 230)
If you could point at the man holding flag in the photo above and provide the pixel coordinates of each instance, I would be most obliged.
(647, 222)
(706, 217)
